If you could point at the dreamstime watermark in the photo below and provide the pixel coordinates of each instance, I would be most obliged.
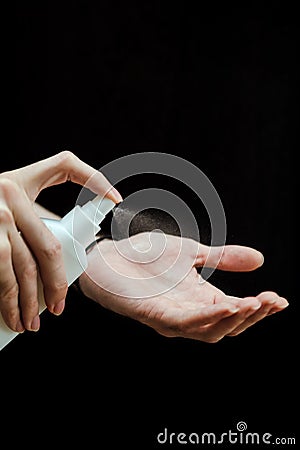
(240, 436)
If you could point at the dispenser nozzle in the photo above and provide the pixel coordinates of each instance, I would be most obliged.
(97, 208)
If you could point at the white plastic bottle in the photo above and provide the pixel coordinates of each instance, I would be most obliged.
(75, 231)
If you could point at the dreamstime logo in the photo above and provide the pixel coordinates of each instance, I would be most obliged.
(164, 260)
(241, 426)
(239, 435)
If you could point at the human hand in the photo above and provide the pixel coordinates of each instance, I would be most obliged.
(162, 288)
(26, 244)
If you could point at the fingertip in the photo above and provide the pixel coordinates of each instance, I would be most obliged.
(35, 324)
(283, 303)
(267, 296)
(254, 259)
(58, 308)
(113, 195)
(261, 258)
(20, 327)
(286, 304)
(117, 196)
(238, 258)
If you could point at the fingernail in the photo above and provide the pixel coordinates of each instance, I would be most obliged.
(262, 258)
(58, 309)
(35, 324)
(233, 309)
(284, 305)
(117, 195)
(20, 328)
(255, 307)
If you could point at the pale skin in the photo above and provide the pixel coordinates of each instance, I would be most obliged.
(189, 309)
(26, 244)
(186, 308)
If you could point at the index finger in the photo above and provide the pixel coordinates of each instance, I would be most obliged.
(62, 167)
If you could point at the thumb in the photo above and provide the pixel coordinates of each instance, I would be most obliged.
(62, 167)
(234, 258)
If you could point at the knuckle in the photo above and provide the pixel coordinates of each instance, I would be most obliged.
(5, 252)
(9, 293)
(53, 250)
(58, 289)
(11, 316)
(31, 305)
(6, 216)
(66, 158)
(8, 188)
(30, 271)
(61, 286)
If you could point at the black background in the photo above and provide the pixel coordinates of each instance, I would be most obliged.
(216, 85)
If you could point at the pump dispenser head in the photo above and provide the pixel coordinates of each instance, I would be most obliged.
(98, 208)
(83, 222)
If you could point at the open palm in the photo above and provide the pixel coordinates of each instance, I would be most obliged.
(154, 278)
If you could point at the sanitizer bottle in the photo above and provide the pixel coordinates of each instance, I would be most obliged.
(75, 231)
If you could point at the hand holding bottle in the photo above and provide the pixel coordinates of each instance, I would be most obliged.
(26, 244)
